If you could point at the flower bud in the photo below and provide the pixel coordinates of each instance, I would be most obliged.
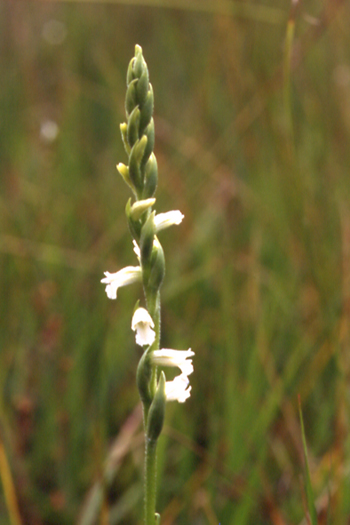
(140, 147)
(123, 130)
(131, 97)
(142, 88)
(135, 159)
(139, 64)
(133, 126)
(151, 177)
(146, 110)
(130, 76)
(134, 225)
(139, 208)
(124, 172)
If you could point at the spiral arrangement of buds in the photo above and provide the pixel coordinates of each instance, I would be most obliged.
(141, 175)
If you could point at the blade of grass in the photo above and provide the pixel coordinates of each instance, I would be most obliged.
(9, 488)
(307, 479)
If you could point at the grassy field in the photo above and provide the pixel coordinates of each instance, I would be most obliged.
(252, 117)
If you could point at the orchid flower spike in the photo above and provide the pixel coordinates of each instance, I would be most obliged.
(128, 275)
(142, 323)
(141, 175)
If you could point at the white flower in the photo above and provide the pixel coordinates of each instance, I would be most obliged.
(178, 389)
(179, 358)
(143, 324)
(127, 275)
(164, 220)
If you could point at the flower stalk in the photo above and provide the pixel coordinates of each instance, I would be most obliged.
(141, 175)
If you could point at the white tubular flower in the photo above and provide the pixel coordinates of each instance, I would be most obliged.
(164, 220)
(178, 389)
(179, 358)
(127, 275)
(142, 323)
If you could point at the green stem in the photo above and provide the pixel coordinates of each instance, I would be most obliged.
(150, 482)
(153, 305)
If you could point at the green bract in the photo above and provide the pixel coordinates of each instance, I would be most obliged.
(157, 411)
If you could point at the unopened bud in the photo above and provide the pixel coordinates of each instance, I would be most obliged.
(133, 126)
(139, 208)
(131, 97)
(124, 172)
(123, 130)
(151, 177)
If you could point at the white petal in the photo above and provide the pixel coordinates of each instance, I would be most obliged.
(164, 220)
(145, 336)
(141, 316)
(143, 323)
(111, 291)
(178, 389)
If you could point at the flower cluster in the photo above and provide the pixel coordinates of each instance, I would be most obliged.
(141, 175)
(179, 388)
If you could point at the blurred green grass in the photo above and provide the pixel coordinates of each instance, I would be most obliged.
(258, 275)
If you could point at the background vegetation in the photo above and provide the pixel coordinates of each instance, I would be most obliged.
(252, 139)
